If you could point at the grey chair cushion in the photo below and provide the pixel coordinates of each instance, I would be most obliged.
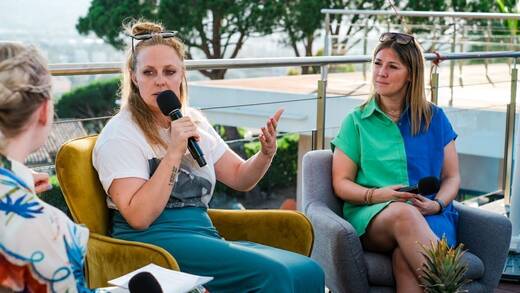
(475, 266)
(379, 268)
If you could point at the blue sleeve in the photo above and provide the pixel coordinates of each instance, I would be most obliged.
(447, 132)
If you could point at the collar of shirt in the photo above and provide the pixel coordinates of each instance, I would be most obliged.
(18, 169)
(372, 106)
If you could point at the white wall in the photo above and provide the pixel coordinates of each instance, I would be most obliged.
(481, 131)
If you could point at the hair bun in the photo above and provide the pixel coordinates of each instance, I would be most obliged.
(142, 27)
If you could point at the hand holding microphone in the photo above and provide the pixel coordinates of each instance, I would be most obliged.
(392, 193)
(425, 186)
(170, 106)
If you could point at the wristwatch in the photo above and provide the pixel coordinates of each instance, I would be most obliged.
(441, 204)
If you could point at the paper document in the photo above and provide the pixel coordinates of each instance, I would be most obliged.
(170, 281)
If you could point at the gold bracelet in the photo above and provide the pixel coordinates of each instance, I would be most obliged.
(372, 190)
(174, 175)
(366, 196)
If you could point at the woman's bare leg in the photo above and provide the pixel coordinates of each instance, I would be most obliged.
(404, 276)
(399, 225)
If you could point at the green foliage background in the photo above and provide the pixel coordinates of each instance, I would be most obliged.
(97, 99)
(281, 174)
(55, 197)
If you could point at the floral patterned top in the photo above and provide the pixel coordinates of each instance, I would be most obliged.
(41, 250)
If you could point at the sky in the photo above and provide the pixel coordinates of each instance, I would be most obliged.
(41, 16)
(32, 20)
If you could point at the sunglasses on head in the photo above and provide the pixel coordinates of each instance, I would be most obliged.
(147, 36)
(402, 39)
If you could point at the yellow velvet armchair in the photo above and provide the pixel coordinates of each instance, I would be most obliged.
(108, 257)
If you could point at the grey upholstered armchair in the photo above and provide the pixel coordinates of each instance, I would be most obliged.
(348, 268)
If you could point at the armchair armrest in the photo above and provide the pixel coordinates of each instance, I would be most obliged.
(338, 250)
(487, 235)
(109, 258)
(287, 230)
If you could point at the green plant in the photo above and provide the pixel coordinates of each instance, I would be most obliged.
(294, 71)
(55, 197)
(283, 170)
(284, 167)
(96, 99)
(443, 271)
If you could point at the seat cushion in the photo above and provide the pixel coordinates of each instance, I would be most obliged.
(379, 268)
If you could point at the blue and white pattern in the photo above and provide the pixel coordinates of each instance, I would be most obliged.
(37, 237)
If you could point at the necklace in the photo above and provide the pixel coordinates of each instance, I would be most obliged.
(394, 115)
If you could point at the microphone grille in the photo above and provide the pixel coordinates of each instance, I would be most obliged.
(167, 102)
(144, 282)
(428, 185)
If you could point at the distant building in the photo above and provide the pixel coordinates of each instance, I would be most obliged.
(61, 132)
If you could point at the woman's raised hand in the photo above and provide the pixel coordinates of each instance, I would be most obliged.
(268, 136)
(180, 130)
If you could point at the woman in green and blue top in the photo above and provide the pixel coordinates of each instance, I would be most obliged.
(394, 139)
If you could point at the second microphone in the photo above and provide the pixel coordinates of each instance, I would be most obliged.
(171, 107)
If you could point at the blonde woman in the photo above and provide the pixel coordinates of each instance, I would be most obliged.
(41, 250)
(394, 139)
(159, 193)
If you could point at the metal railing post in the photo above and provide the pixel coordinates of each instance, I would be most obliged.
(321, 109)
(452, 62)
(510, 131)
(435, 87)
(365, 47)
(461, 48)
(326, 46)
(488, 41)
(314, 139)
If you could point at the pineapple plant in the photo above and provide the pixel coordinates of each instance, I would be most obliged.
(443, 272)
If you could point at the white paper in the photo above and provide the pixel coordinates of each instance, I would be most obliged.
(170, 281)
(112, 290)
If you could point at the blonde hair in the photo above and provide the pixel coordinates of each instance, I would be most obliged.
(25, 83)
(132, 100)
(411, 55)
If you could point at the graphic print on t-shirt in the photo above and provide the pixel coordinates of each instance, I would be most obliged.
(192, 188)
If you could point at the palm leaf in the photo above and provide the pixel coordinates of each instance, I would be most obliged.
(24, 208)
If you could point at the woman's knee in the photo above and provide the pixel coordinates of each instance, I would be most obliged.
(405, 217)
(306, 274)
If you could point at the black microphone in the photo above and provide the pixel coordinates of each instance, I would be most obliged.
(171, 106)
(426, 186)
(144, 282)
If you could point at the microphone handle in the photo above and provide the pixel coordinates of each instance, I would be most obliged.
(193, 146)
(196, 152)
(410, 189)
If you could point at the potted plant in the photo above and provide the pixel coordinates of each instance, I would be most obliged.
(443, 271)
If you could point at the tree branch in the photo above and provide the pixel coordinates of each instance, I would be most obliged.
(239, 44)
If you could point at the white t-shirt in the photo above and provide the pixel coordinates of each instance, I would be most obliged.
(122, 151)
